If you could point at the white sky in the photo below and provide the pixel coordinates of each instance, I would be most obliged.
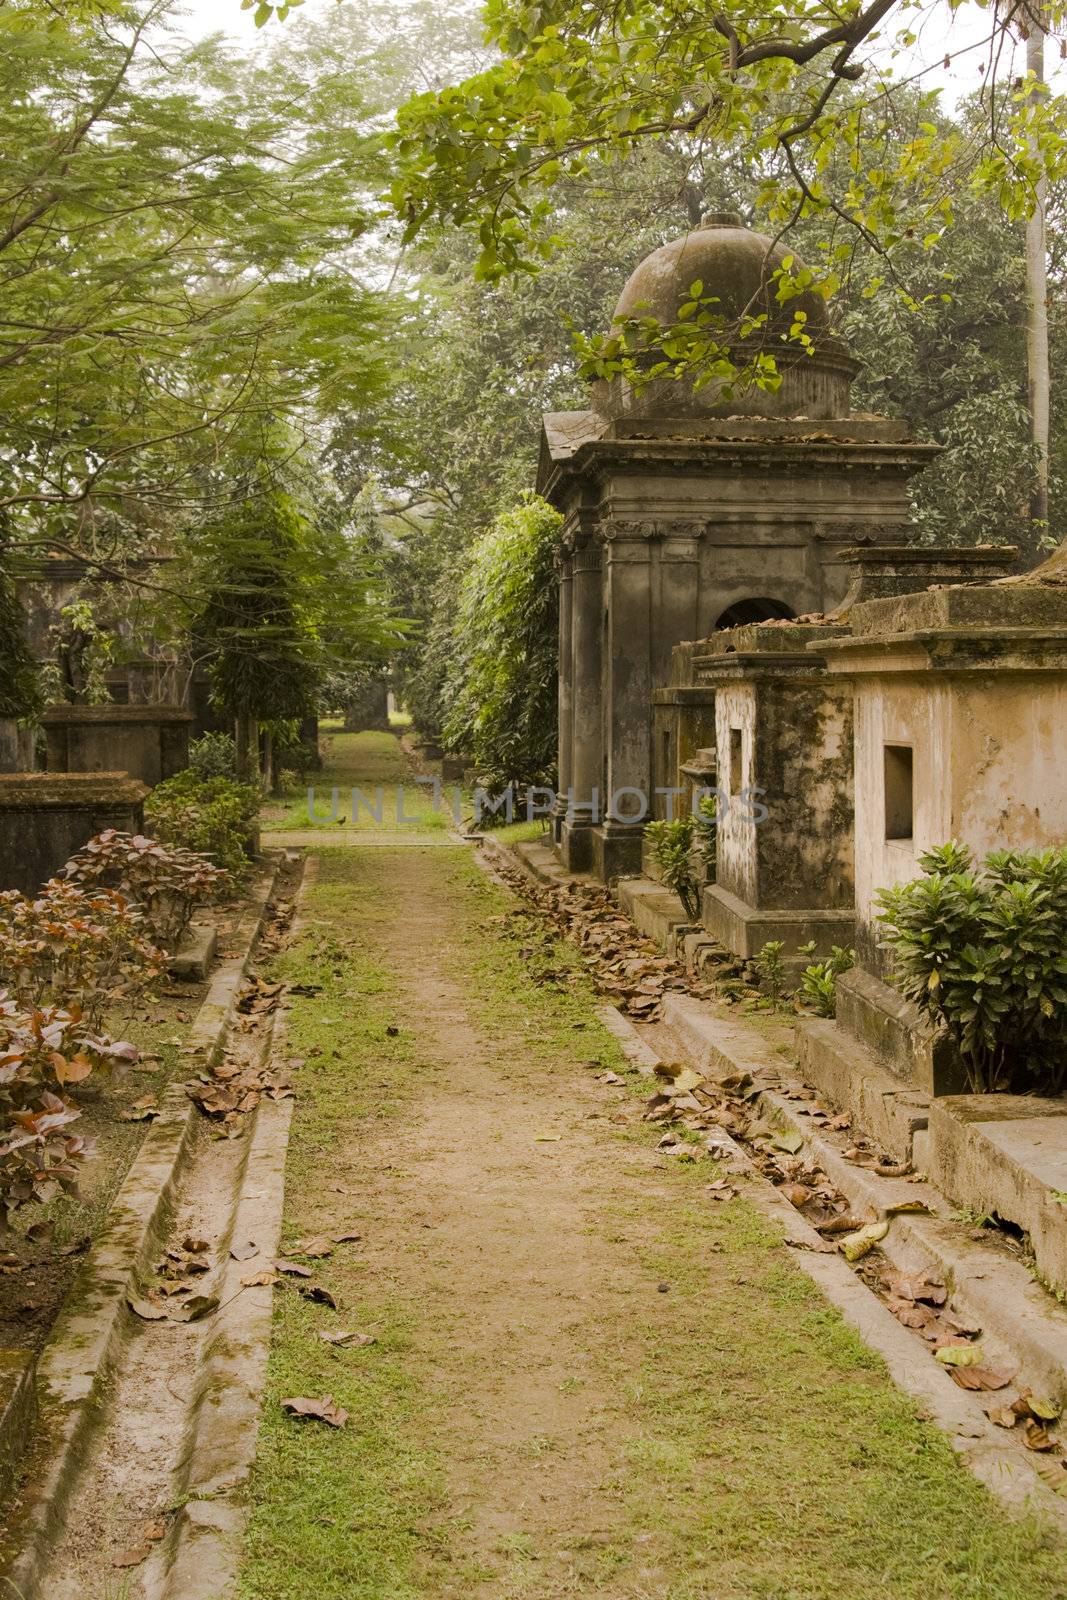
(942, 32)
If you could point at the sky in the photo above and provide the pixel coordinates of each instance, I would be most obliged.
(961, 34)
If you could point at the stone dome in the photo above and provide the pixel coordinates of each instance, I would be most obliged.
(736, 267)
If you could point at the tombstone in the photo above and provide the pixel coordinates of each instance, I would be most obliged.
(686, 510)
(784, 868)
(149, 742)
(46, 817)
(960, 705)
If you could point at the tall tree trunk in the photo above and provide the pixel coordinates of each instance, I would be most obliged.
(268, 773)
(246, 738)
(1037, 304)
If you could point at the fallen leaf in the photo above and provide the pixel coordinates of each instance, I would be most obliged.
(256, 1280)
(1044, 1410)
(1035, 1437)
(917, 1286)
(156, 1531)
(314, 1249)
(979, 1379)
(132, 1558)
(856, 1245)
(147, 1310)
(959, 1355)
(547, 1138)
(347, 1238)
(1003, 1416)
(347, 1337)
(292, 1268)
(795, 1193)
(323, 1410)
(316, 1293)
(197, 1306)
(791, 1143)
(244, 1252)
(911, 1208)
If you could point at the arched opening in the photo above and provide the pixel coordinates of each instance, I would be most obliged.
(758, 609)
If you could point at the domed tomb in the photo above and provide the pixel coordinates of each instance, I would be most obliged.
(736, 268)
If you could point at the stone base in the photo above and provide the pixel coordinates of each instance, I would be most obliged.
(745, 930)
(46, 817)
(1005, 1156)
(576, 845)
(897, 1035)
(616, 850)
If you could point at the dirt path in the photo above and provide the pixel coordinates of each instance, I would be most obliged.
(588, 1378)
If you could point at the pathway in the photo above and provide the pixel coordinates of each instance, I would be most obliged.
(574, 1374)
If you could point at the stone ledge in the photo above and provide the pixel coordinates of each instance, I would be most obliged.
(193, 961)
(1006, 1156)
(896, 1034)
(66, 791)
(888, 1110)
(656, 911)
(62, 715)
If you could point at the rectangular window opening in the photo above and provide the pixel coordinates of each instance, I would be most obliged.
(899, 791)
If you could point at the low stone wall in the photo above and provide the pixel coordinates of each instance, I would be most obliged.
(149, 742)
(46, 817)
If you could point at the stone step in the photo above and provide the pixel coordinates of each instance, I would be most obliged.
(1005, 1156)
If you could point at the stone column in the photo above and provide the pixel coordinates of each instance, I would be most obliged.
(566, 692)
(586, 776)
(627, 696)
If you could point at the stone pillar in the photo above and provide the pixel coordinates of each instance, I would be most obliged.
(627, 698)
(587, 781)
(566, 693)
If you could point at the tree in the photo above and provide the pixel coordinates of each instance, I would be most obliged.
(176, 231)
(285, 603)
(502, 686)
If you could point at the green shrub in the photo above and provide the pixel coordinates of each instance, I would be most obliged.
(982, 951)
(671, 843)
(771, 970)
(212, 816)
(214, 755)
(74, 947)
(44, 1049)
(165, 882)
(818, 981)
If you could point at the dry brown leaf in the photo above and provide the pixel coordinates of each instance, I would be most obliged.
(348, 1337)
(315, 1249)
(1003, 1416)
(244, 1252)
(324, 1410)
(796, 1193)
(980, 1378)
(315, 1292)
(1036, 1437)
(257, 1280)
(147, 1310)
(293, 1269)
(132, 1558)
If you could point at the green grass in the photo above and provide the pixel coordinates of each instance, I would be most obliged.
(367, 761)
(765, 1453)
(523, 833)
